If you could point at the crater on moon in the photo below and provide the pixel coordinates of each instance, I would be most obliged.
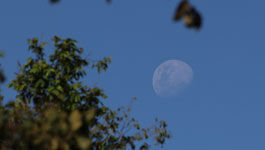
(171, 77)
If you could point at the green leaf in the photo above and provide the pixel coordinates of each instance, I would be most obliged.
(59, 88)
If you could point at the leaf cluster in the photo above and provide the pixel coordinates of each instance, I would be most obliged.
(55, 110)
(190, 15)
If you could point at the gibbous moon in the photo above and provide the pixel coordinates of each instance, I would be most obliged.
(171, 77)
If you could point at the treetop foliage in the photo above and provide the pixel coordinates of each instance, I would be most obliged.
(55, 79)
(55, 110)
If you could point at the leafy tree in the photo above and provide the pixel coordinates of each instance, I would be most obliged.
(55, 110)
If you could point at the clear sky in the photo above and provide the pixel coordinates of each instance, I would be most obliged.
(223, 108)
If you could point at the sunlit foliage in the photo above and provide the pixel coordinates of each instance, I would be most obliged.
(55, 110)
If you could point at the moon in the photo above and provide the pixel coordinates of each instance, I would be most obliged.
(171, 77)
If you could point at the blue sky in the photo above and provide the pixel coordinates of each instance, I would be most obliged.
(223, 109)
